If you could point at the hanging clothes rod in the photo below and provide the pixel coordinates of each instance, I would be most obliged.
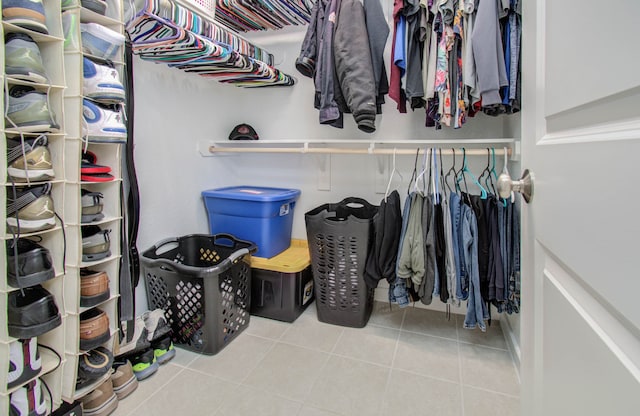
(499, 151)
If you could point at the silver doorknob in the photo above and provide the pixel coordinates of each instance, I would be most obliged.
(524, 185)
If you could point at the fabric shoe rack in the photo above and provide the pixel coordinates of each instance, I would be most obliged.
(60, 347)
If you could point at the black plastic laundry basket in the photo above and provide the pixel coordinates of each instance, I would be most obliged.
(203, 283)
(339, 237)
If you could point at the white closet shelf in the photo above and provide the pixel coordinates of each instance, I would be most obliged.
(376, 147)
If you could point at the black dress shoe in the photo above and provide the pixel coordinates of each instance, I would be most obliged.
(34, 264)
(33, 313)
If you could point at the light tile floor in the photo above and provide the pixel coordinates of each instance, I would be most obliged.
(404, 362)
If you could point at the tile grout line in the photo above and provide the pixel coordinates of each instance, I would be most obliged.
(460, 369)
(393, 360)
(133, 411)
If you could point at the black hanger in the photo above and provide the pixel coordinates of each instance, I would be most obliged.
(450, 171)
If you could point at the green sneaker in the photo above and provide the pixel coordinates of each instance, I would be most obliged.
(163, 350)
(144, 364)
(22, 59)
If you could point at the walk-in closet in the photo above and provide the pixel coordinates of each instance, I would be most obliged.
(157, 107)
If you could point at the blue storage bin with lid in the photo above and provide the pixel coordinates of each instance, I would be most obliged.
(261, 215)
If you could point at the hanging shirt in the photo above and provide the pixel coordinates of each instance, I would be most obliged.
(426, 288)
(396, 92)
(450, 262)
(387, 225)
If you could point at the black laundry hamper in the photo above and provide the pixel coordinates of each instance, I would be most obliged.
(203, 283)
(340, 237)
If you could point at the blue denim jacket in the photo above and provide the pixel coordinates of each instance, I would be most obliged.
(462, 282)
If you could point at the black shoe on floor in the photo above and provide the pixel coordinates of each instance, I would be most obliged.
(33, 313)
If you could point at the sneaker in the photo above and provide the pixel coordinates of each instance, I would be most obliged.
(31, 210)
(91, 206)
(22, 59)
(123, 379)
(94, 329)
(139, 341)
(163, 349)
(95, 243)
(98, 6)
(70, 22)
(156, 324)
(144, 364)
(100, 402)
(28, 14)
(29, 159)
(102, 82)
(92, 365)
(102, 125)
(94, 287)
(100, 41)
(28, 263)
(28, 111)
(24, 361)
(90, 171)
(28, 400)
(32, 311)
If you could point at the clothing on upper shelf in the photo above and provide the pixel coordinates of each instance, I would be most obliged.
(456, 58)
(343, 54)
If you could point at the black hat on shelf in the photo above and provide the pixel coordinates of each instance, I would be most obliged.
(243, 132)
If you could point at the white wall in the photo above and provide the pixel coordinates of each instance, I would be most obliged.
(175, 112)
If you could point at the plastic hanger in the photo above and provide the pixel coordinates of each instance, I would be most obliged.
(465, 169)
(450, 171)
(393, 171)
(436, 177)
(488, 180)
(506, 170)
(425, 167)
(414, 173)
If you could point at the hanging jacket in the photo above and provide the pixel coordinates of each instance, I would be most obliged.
(316, 60)
(353, 66)
(387, 225)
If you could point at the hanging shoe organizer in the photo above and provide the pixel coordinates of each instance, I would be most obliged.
(166, 32)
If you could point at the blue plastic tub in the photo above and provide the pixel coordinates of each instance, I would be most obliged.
(261, 215)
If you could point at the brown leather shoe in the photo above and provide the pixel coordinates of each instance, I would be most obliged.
(94, 329)
(94, 287)
(100, 402)
(123, 379)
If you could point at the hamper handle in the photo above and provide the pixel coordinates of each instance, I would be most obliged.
(221, 267)
(355, 200)
(364, 210)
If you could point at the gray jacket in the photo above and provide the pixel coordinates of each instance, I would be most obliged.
(353, 64)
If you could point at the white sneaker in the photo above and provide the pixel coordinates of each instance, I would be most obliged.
(28, 400)
(24, 361)
(102, 125)
(102, 83)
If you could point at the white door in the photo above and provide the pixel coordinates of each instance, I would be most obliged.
(581, 234)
